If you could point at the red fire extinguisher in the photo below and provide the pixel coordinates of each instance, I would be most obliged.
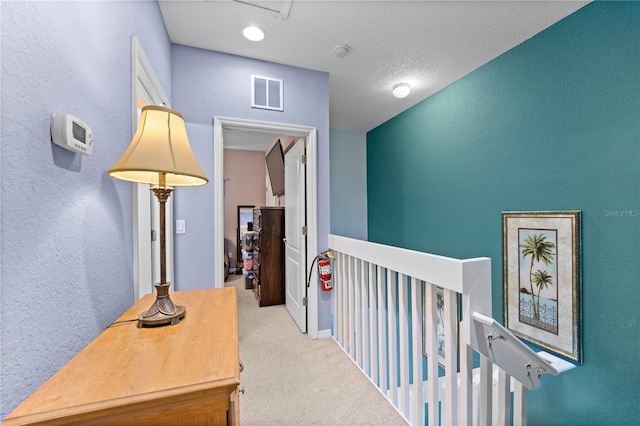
(324, 271)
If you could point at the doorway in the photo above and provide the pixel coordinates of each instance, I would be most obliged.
(309, 133)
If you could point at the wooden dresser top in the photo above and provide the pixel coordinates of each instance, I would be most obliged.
(127, 364)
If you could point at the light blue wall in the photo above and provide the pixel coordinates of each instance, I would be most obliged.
(208, 84)
(553, 124)
(349, 184)
(66, 226)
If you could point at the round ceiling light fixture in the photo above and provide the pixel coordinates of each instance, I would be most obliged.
(253, 33)
(401, 90)
(342, 50)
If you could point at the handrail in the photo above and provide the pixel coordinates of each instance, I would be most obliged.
(470, 277)
(445, 272)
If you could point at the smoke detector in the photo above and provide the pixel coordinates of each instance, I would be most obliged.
(342, 50)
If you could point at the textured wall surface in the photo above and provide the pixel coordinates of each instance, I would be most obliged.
(66, 226)
(208, 84)
(553, 124)
(349, 184)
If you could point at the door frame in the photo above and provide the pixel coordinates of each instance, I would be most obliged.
(311, 189)
(142, 74)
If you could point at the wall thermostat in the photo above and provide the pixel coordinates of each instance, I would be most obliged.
(71, 133)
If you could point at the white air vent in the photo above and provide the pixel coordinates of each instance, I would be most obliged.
(266, 93)
(277, 8)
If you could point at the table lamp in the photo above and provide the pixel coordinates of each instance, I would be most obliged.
(160, 155)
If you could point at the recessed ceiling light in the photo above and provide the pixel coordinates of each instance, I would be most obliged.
(253, 33)
(401, 90)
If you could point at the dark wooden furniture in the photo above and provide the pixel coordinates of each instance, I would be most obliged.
(268, 284)
(183, 374)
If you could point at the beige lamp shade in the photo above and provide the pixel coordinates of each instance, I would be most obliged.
(160, 146)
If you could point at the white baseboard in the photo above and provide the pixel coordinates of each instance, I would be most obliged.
(324, 334)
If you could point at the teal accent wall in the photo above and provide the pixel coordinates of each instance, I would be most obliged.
(553, 124)
(348, 187)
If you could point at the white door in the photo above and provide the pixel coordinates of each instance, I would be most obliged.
(296, 242)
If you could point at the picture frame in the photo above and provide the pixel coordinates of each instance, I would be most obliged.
(541, 279)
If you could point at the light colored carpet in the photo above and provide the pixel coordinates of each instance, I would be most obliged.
(289, 379)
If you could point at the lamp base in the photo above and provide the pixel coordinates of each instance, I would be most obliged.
(163, 311)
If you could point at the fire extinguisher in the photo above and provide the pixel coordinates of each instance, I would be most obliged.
(324, 270)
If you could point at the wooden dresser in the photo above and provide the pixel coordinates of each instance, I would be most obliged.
(268, 255)
(186, 374)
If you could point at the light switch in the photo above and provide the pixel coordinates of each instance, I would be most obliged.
(180, 227)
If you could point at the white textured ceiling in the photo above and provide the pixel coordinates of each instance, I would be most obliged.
(428, 44)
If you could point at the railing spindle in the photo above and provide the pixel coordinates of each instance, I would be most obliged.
(404, 342)
(337, 307)
(466, 383)
(450, 316)
(503, 415)
(343, 301)
(431, 327)
(382, 331)
(485, 392)
(357, 310)
(373, 328)
(519, 404)
(350, 307)
(392, 297)
(416, 325)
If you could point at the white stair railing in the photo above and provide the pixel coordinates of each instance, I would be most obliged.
(387, 300)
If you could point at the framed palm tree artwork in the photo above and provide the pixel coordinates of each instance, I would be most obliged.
(541, 278)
